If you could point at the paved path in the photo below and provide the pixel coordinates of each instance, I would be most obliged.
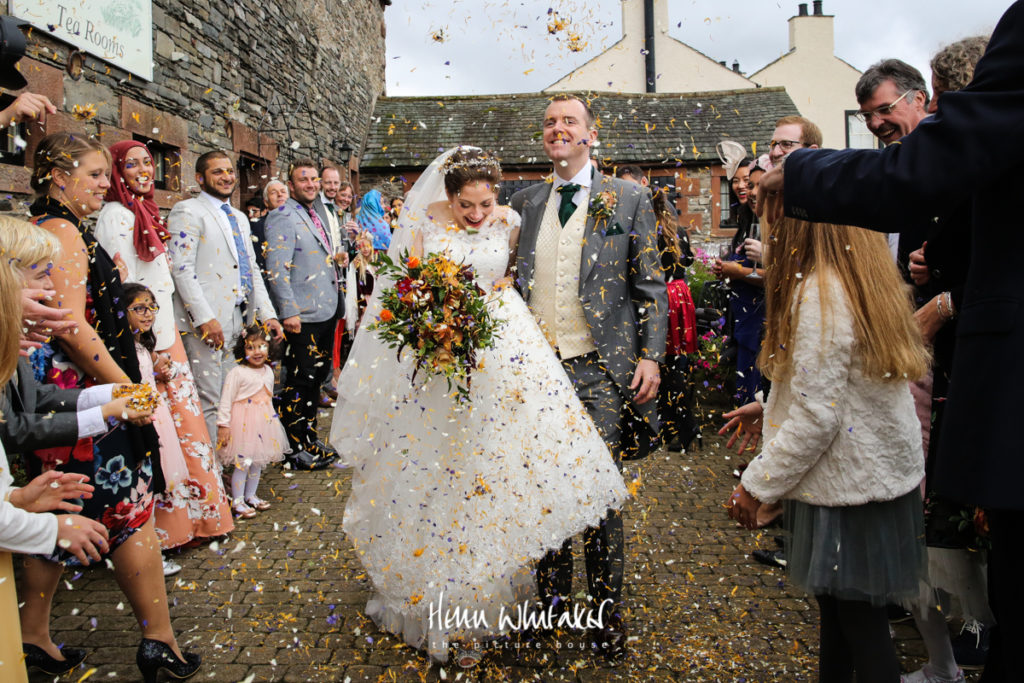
(281, 598)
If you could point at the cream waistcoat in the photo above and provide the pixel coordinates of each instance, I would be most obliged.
(554, 298)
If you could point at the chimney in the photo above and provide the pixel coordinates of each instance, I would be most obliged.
(724, 64)
(736, 66)
(812, 34)
(817, 8)
(802, 9)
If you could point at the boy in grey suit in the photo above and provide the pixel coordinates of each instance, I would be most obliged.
(588, 266)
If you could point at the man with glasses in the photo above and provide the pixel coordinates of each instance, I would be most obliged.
(893, 99)
(792, 133)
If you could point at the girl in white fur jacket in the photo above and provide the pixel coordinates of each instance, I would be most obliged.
(842, 445)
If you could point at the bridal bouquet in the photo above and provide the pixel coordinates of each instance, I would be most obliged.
(438, 311)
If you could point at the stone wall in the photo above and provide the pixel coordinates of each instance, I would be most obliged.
(270, 81)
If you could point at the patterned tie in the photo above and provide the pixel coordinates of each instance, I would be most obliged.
(244, 267)
(319, 226)
(567, 208)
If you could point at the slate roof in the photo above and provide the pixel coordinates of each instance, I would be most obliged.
(407, 132)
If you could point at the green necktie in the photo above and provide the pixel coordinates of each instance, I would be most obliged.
(567, 208)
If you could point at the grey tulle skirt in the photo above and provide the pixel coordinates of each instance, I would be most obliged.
(873, 552)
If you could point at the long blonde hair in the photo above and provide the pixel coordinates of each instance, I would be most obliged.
(887, 337)
(22, 245)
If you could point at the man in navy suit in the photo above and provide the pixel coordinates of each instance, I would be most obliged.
(303, 279)
(968, 151)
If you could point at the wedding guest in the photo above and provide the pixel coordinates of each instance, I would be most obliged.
(842, 445)
(248, 428)
(63, 416)
(70, 178)
(139, 308)
(361, 274)
(372, 219)
(304, 280)
(956, 559)
(275, 194)
(130, 226)
(216, 288)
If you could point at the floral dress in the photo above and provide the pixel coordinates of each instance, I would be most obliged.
(119, 463)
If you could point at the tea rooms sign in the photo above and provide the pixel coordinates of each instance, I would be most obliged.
(116, 31)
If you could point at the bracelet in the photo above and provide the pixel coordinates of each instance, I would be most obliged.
(948, 298)
(944, 305)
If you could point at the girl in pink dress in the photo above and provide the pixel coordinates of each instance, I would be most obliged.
(141, 309)
(249, 433)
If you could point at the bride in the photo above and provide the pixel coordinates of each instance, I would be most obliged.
(452, 503)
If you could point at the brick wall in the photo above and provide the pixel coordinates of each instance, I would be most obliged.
(273, 81)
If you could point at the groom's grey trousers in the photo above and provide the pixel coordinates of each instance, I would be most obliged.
(602, 545)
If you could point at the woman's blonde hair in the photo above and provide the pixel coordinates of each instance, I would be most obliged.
(22, 245)
(360, 262)
(886, 336)
(63, 151)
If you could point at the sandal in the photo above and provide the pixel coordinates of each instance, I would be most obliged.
(243, 511)
(257, 504)
(468, 657)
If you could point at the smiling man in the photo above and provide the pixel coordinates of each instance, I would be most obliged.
(303, 278)
(588, 268)
(893, 99)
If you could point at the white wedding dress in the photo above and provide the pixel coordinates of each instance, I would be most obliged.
(451, 505)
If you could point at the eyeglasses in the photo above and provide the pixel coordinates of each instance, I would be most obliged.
(143, 309)
(786, 145)
(884, 110)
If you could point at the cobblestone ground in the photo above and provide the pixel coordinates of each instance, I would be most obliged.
(281, 598)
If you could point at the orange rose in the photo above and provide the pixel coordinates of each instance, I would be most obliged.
(413, 262)
(387, 316)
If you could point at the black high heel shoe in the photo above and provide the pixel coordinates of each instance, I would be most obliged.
(38, 657)
(154, 655)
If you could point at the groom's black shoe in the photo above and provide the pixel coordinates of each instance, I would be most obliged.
(304, 460)
(611, 639)
(322, 450)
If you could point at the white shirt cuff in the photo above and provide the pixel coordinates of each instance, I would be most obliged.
(95, 396)
(91, 422)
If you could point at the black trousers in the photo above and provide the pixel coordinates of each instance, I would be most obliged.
(602, 545)
(854, 636)
(1005, 596)
(307, 362)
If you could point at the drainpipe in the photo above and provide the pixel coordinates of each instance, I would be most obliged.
(650, 74)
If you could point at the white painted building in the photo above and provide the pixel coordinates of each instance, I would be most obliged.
(622, 67)
(821, 84)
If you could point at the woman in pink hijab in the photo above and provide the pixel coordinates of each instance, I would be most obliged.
(130, 226)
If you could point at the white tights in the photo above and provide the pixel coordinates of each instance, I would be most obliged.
(931, 624)
(244, 481)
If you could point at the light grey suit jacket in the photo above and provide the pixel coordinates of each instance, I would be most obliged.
(204, 265)
(622, 286)
(300, 265)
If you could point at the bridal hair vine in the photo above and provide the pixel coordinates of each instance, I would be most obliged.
(482, 161)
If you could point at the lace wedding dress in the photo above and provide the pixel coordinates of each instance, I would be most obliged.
(452, 504)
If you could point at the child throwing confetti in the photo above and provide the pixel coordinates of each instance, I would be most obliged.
(249, 433)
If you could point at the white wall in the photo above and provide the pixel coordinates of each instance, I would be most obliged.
(820, 83)
(621, 68)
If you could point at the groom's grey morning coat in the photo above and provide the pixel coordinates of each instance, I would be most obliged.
(621, 286)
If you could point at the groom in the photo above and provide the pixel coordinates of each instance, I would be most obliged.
(588, 267)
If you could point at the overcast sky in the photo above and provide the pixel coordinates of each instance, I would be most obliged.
(448, 47)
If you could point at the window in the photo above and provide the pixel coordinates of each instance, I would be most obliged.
(510, 187)
(857, 134)
(166, 164)
(725, 204)
(253, 174)
(12, 147)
